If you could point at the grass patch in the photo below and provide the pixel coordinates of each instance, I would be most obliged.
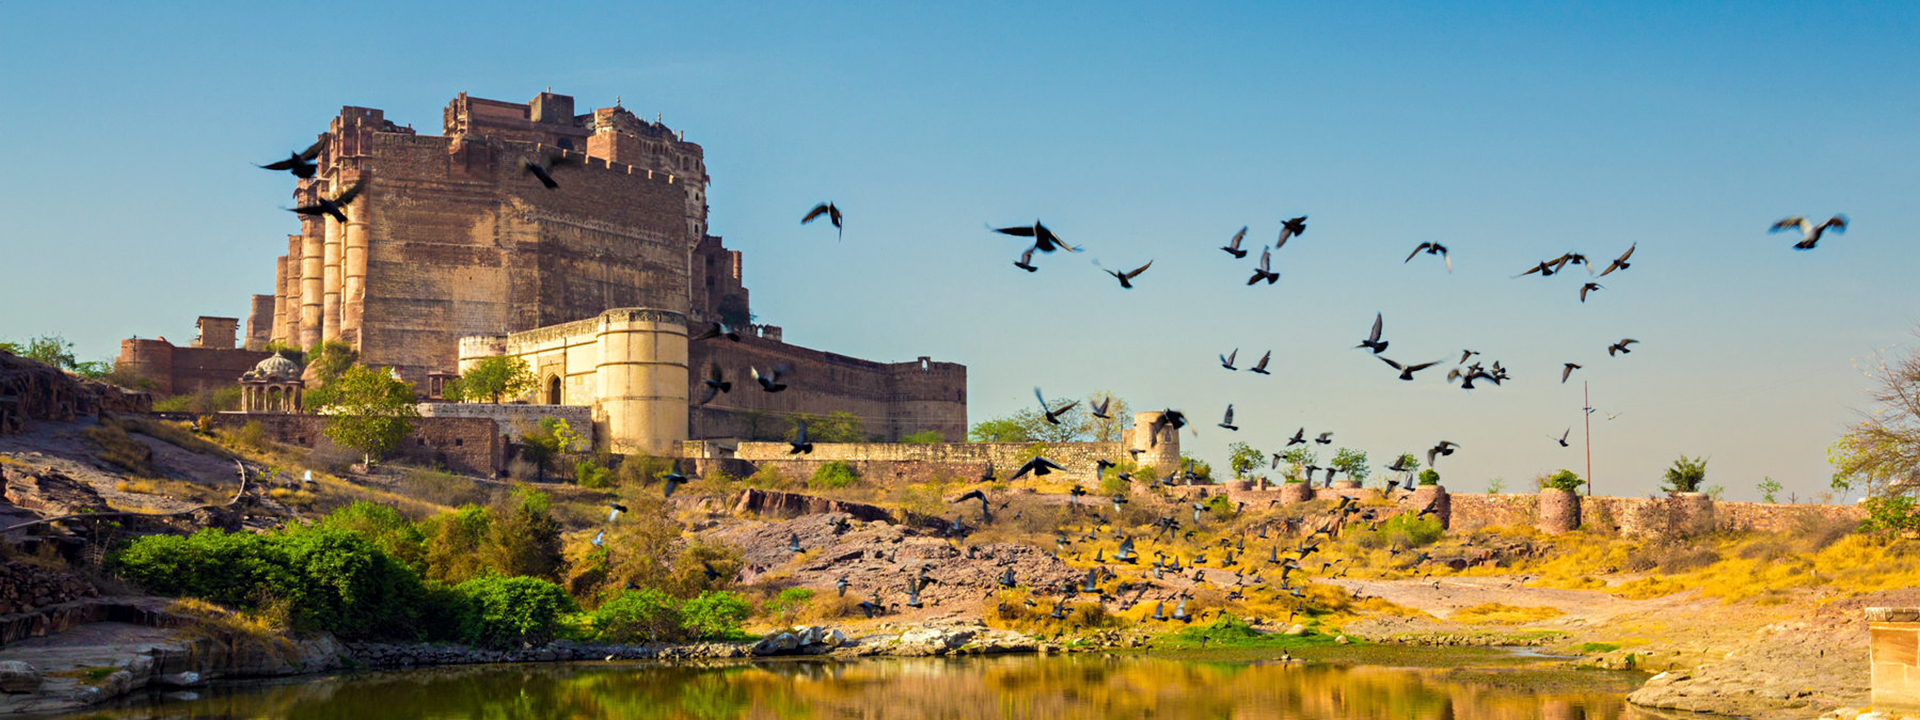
(1228, 631)
(119, 449)
(1596, 647)
(1504, 614)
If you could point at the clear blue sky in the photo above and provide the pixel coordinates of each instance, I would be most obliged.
(1511, 132)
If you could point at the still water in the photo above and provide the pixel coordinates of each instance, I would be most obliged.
(1053, 688)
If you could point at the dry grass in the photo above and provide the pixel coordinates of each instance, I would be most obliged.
(1503, 614)
(175, 490)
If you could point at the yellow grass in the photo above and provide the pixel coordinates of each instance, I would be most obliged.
(1504, 614)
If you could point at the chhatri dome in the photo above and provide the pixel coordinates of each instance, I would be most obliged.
(272, 386)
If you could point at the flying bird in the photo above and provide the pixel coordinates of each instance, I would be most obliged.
(1584, 289)
(1226, 361)
(1431, 248)
(670, 483)
(1545, 268)
(1126, 278)
(1464, 354)
(1100, 410)
(1446, 447)
(1299, 438)
(1043, 239)
(770, 382)
(1407, 371)
(718, 330)
(301, 165)
(1291, 228)
(1563, 437)
(1265, 271)
(1620, 263)
(1620, 347)
(1567, 371)
(1261, 367)
(1373, 341)
(1052, 416)
(800, 444)
(715, 384)
(1026, 261)
(543, 170)
(1038, 466)
(1233, 246)
(1326, 438)
(1811, 233)
(1227, 422)
(828, 209)
(335, 206)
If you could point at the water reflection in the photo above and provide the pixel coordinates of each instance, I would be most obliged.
(1056, 688)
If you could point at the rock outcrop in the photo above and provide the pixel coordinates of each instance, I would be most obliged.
(776, 504)
(31, 390)
(50, 492)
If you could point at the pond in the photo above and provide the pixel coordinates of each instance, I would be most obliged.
(1054, 688)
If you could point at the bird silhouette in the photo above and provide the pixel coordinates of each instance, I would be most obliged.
(1052, 416)
(1289, 229)
(1233, 246)
(1227, 422)
(1407, 371)
(714, 383)
(1373, 341)
(613, 511)
(799, 444)
(770, 381)
(833, 215)
(1100, 410)
(1589, 287)
(542, 170)
(1465, 354)
(1620, 347)
(1326, 438)
(1445, 448)
(1430, 248)
(1043, 239)
(1811, 233)
(670, 483)
(335, 206)
(301, 166)
(1026, 261)
(1265, 270)
(1563, 437)
(1226, 361)
(1566, 371)
(1038, 466)
(1299, 438)
(1126, 278)
(1620, 263)
(1261, 367)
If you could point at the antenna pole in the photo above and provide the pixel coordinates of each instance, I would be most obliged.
(1587, 398)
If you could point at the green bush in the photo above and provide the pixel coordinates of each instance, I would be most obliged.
(508, 611)
(1429, 476)
(1686, 475)
(1563, 480)
(787, 605)
(714, 614)
(589, 473)
(636, 615)
(834, 475)
(329, 578)
(1403, 531)
(925, 437)
(386, 528)
(1891, 514)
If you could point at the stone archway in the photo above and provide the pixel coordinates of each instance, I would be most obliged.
(553, 390)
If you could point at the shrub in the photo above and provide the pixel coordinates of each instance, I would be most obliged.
(1563, 480)
(635, 615)
(1221, 508)
(385, 527)
(453, 542)
(834, 475)
(252, 436)
(440, 487)
(522, 536)
(1890, 514)
(925, 437)
(1686, 475)
(589, 473)
(786, 606)
(1429, 476)
(507, 611)
(1404, 531)
(714, 614)
(120, 449)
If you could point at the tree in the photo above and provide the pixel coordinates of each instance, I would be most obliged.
(553, 437)
(838, 426)
(1299, 458)
(1243, 458)
(1429, 476)
(1881, 455)
(1685, 475)
(1350, 461)
(733, 311)
(999, 430)
(1564, 480)
(523, 538)
(492, 379)
(1768, 489)
(1113, 427)
(1075, 424)
(368, 410)
(330, 360)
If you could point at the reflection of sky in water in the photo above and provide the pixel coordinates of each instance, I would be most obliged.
(1057, 688)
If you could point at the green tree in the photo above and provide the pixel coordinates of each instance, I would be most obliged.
(1881, 455)
(453, 542)
(1429, 476)
(1350, 461)
(1113, 427)
(1298, 459)
(1244, 458)
(523, 538)
(1564, 480)
(1685, 475)
(369, 410)
(553, 437)
(1769, 487)
(50, 349)
(924, 437)
(838, 426)
(491, 380)
(330, 360)
(999, 430)
(714, 614)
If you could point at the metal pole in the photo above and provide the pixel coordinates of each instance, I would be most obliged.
(1587, 397)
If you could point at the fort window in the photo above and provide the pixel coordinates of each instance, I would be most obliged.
(553, 391)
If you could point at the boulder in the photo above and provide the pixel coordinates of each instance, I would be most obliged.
(777, 644)
(18, 676)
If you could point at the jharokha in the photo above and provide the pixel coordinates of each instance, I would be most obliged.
(453, 252)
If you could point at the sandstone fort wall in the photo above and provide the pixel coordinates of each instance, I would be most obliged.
(468, 445)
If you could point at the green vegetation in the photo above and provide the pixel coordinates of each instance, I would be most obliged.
(834, 475)
(1768, 489)
(1685, 475)
(1244, 458)
(714, 614)
(330, 360)
(1227, 631)
(838, 426)
(1077, 424)
(1494, 486)
(1350, 461)
(507, 611)
(640, 615)
(491, 380)
(368, 410)
(1429, 476)
(554, 437)
(1402, 531)
(1891, 514)
(925, 437)
(1562, 480)
(202, 402)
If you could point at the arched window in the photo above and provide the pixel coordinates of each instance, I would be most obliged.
(553, 390)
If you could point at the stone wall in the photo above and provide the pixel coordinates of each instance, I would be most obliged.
(470, 445)
(515, 420)
(891, 399)
(1895, 642)
(177, 370)
(921, 462)
(26, 587)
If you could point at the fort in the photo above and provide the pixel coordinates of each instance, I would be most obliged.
(452, 251)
